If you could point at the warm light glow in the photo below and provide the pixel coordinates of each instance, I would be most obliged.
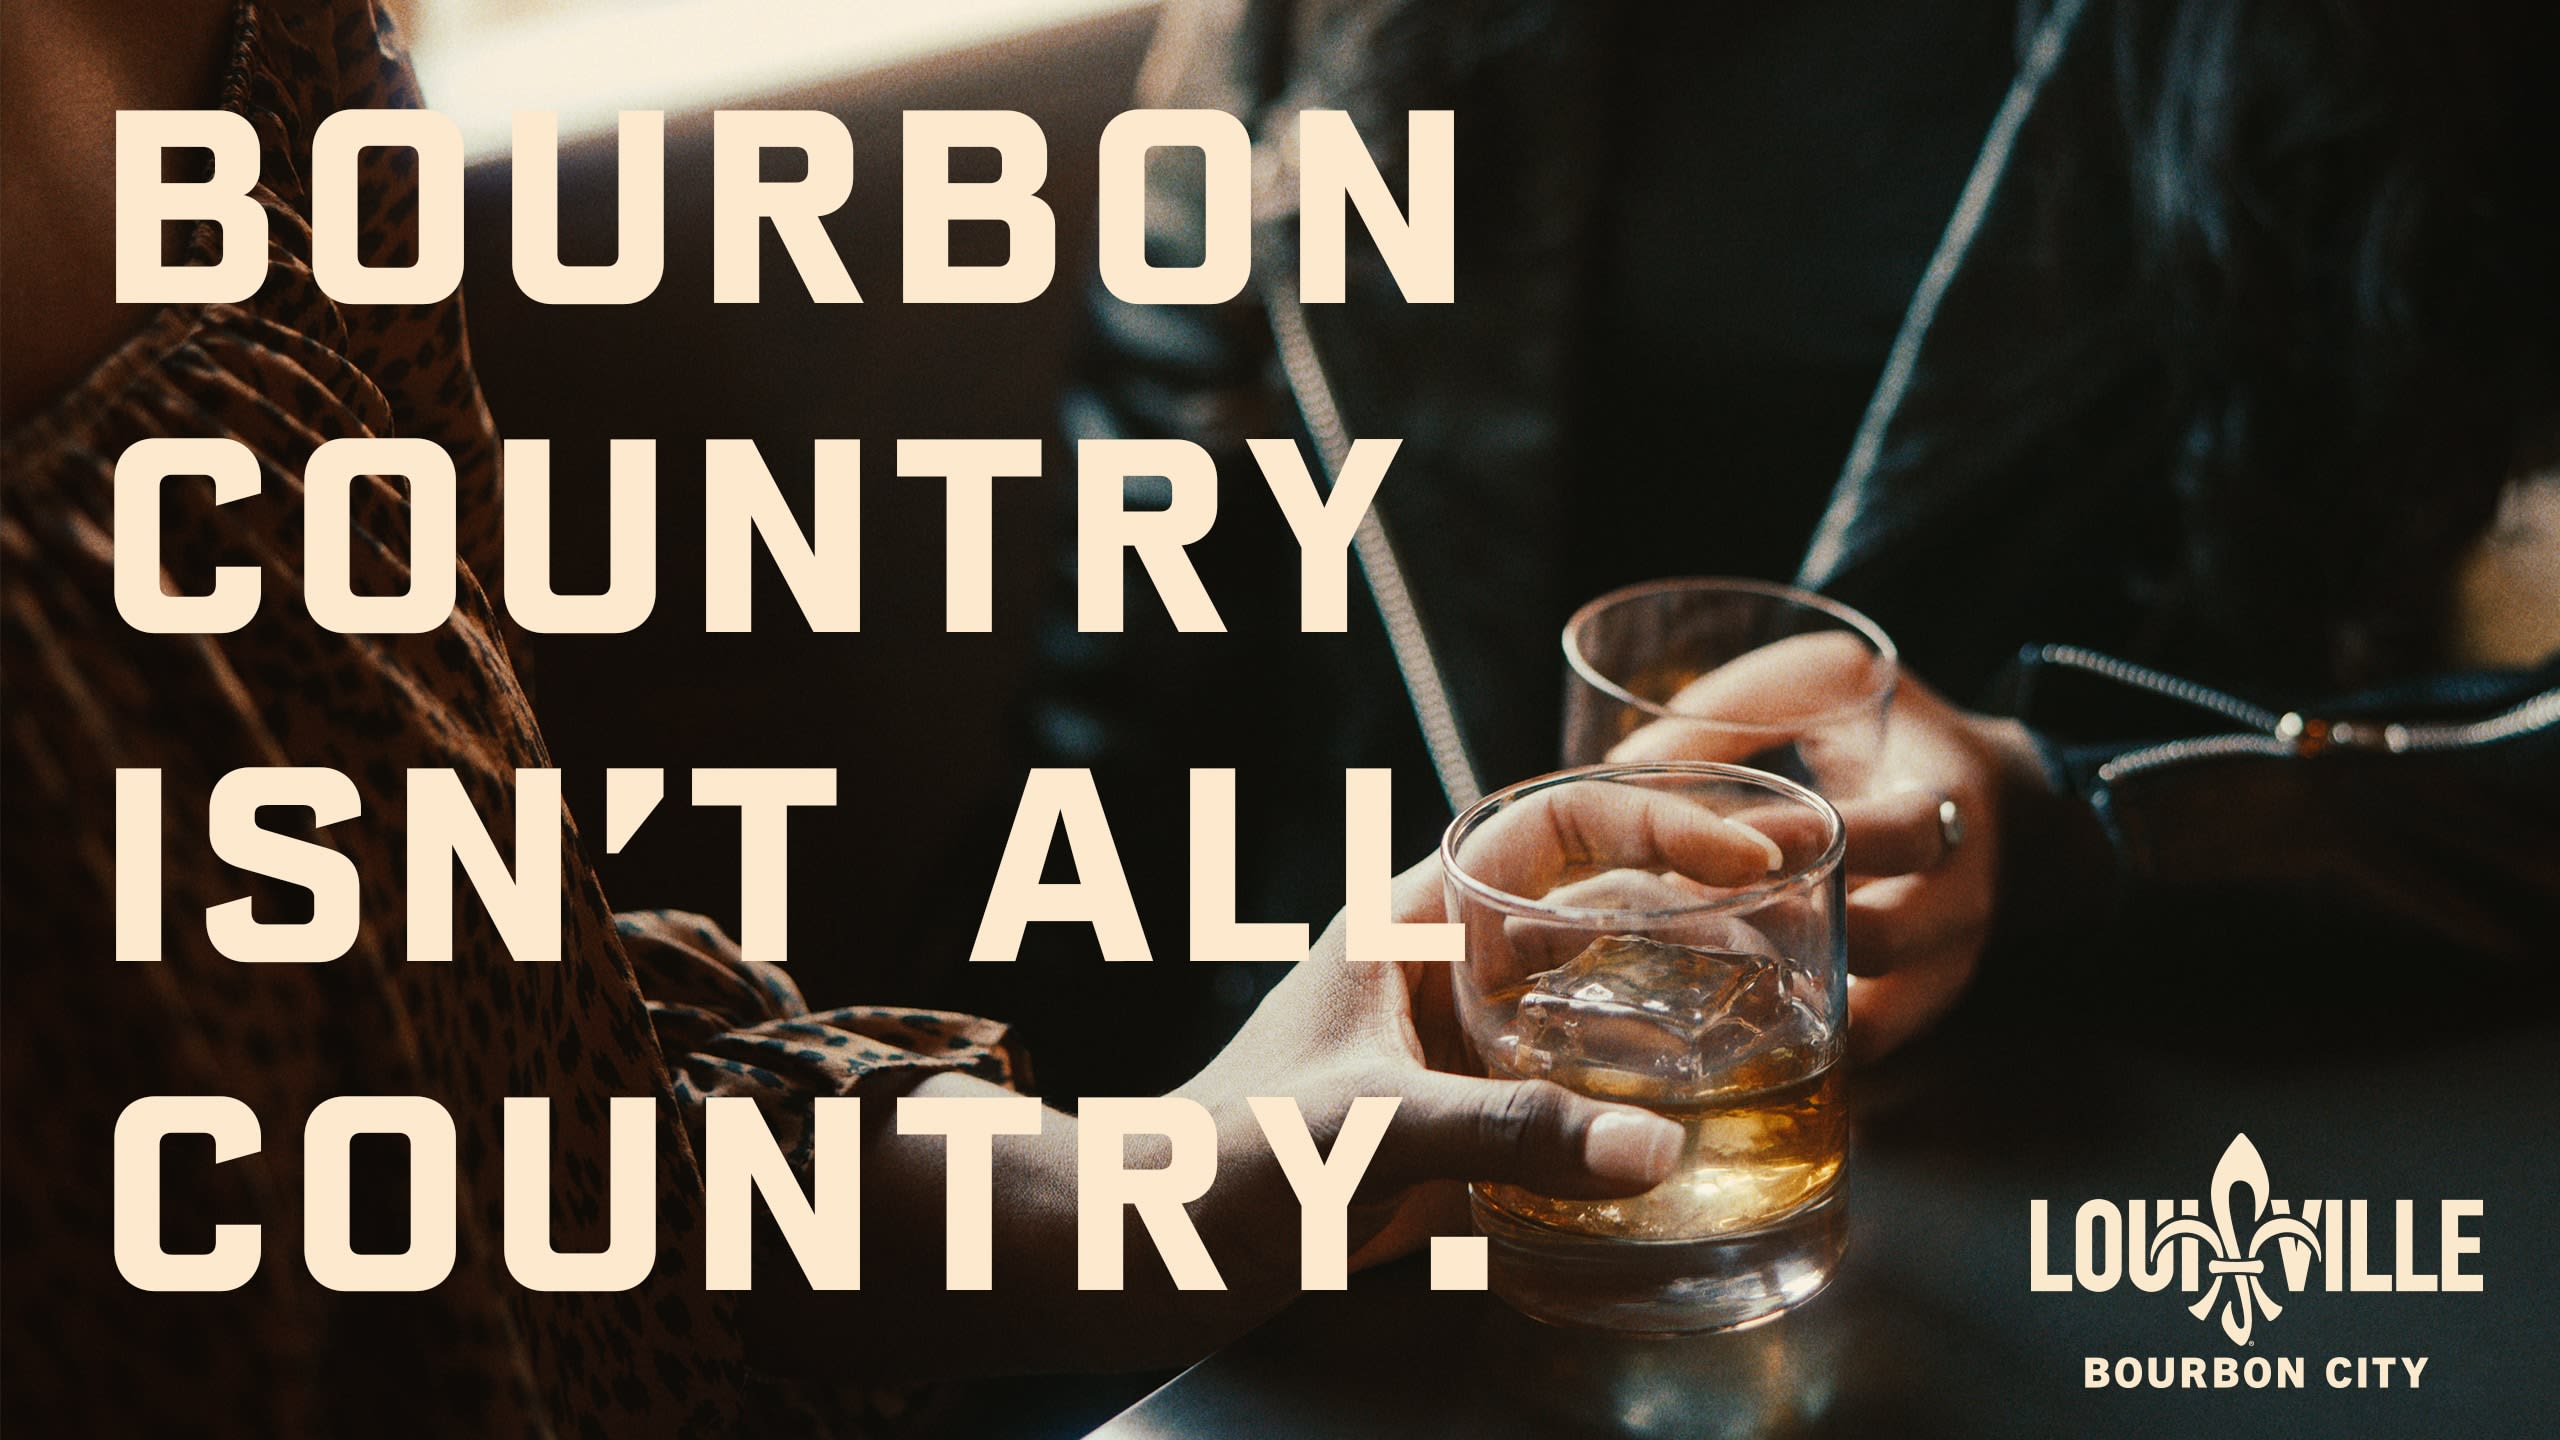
(590, 59)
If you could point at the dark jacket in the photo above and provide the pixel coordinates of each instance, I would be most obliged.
(2003, 498)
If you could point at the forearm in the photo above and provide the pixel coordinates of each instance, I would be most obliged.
(2058, 870)
(2426, 815)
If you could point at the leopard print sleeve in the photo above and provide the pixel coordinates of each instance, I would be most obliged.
(734, 1026)
(650, 1006)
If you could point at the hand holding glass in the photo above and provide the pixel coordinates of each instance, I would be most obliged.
(1756, 674)
(1667, 936)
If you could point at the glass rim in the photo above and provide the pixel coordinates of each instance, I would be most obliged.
(1853, 619)
(1804, 877)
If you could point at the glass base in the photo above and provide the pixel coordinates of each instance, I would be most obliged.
(1664, 1287)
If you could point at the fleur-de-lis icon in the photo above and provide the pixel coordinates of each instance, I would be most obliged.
(2241, 1168)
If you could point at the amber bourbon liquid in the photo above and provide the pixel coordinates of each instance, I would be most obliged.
(1731, 1046)
(1749, 1160)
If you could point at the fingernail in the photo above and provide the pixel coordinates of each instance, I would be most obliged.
(1631, 1145)
(1769, 847)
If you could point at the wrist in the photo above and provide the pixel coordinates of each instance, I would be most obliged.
(2055, 866)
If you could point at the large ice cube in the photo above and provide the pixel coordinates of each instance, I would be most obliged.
(1636, 1018)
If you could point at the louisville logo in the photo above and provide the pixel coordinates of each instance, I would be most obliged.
(2244, 1268)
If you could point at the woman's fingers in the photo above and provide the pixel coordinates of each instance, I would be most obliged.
(1531, 944)
(1535, 944)
(1785, 680)
(1797, 831)
(1894, 834)
(1758, 699)
(1522, 1132)
(1887, 1010)
(1530, 848)
(1622, 826)
(1436, 1207)
(1676, 739)
(1892, 922)
(1913, 940)
(1631, 890)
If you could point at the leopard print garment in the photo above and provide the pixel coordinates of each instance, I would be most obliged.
(660, 1006)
